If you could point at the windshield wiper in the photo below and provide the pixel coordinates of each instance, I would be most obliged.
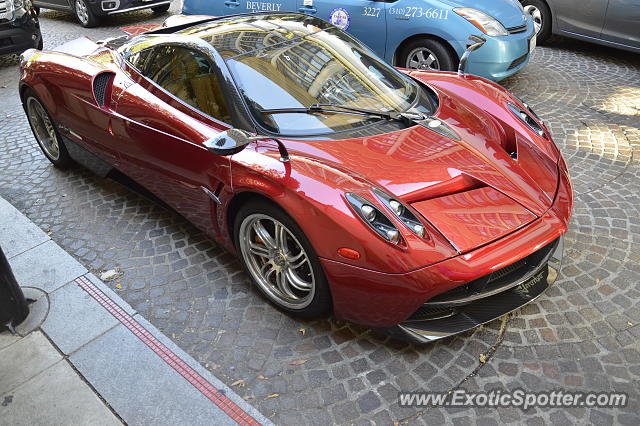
(340, 109)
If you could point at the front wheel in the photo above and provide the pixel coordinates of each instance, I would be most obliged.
(541, 15)
(45, 132)
(161, 9)
(280, 260)
(427, 54)
(85, 15)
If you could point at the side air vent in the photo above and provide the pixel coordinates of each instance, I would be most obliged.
(102, 87)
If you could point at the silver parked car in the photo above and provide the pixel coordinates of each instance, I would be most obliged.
(614, 23)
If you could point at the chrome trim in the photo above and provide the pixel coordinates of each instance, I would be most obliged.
(211, 195)
(146, 6)
(116, 2)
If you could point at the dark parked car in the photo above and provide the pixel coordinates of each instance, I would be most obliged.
(614, 23)
(90, 12)
(19, 27)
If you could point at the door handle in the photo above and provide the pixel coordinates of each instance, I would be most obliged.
(307, 9)
(232, 3)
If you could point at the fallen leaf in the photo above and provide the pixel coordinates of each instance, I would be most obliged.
(302, 331)
(238, 383)
(483, 358)
(298, 362)
(273, 395)
(261, 377)
(118, 286)
(629, 323)
(597, 280)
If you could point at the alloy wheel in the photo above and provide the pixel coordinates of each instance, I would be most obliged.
(43, 128)
(81, 12)
(422, 58)
(536, 15)
(277, 261)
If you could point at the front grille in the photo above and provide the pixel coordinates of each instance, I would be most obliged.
(451, 302)
(516, 30)
(518, 61)
(100, 84)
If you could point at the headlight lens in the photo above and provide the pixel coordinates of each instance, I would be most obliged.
(485, 23)
(373, 217)
(527, 118)
(401, 212)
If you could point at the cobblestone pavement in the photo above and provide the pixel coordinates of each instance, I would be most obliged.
(581, 334)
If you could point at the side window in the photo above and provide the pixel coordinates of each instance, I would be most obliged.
(187, 74)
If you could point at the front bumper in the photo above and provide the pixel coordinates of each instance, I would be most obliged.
(20, 34)
(112, 7)
(502, 56)
(452, 313)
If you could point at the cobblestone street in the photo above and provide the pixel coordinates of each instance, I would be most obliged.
(582, 334)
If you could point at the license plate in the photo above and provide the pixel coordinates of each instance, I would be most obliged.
(532, 43)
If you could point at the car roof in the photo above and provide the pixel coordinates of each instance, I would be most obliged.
(238, 34)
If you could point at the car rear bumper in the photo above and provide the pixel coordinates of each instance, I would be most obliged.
(20, 34)
(384, 300)
(502, 56)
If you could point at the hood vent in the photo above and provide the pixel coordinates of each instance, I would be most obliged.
(102, 88)
(459, 184)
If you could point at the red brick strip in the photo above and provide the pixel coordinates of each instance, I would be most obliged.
(200, 383)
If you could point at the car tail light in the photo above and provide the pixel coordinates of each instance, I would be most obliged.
(102, 84)
(402, 212)
(374, 217)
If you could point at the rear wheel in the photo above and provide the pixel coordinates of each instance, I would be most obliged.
(280, 260)
(45, 131)
(161, 9)
(541, 15)
(85, 15)
(427, 54)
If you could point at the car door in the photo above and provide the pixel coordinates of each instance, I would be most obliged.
(54, 4)
(175, 105)
(584, 18)
(622, 23)
(364, 19)
(246, 6)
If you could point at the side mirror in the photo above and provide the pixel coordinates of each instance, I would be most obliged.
(233, 141)
(229, 142)
(475, 42)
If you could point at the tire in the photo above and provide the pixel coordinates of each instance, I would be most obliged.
(277, 262)
(40, 44)
(541, 14)
(84, 14)
(428, 54)
(37, 10)
(161, 9)
(45, 131)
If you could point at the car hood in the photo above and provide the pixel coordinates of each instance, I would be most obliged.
(470, 189)
(506, 11)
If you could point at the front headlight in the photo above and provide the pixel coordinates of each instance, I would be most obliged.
(485, 23)
(374, 217)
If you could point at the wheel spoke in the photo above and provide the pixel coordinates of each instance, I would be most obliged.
(296, 281)
(264, 235)
(281, 237)
(283, 285)
(299, 263)
(259, 250)
(292, 259)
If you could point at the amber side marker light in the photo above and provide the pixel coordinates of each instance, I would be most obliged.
(349, 253)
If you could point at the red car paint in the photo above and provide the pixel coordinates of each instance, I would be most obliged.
(471, 194)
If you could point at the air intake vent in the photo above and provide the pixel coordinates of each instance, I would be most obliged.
(100, 87)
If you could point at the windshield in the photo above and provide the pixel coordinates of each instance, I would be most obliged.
(326, 67)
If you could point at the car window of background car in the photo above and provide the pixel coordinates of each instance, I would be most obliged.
(324, 67)
(187, 74)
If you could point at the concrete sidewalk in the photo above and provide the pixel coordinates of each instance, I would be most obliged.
(84, 356)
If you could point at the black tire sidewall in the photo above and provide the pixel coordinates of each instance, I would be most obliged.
(446, 59)
(161, 9)
(545, 31)
(321, 304)
(64, 160)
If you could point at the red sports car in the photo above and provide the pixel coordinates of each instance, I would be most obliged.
(423, 203)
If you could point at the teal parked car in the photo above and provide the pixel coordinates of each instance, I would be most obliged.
(417, 34)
